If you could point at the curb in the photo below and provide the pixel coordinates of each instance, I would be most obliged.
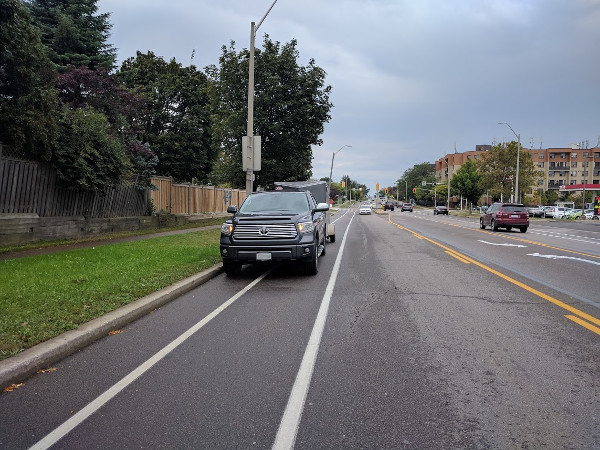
(41, 356)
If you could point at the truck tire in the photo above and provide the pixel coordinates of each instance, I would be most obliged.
(332, 238)
(232, 269)
(312, 266)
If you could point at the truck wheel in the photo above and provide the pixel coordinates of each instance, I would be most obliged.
(332, 238)
(312, 266)
(232, 269)
(324, 246)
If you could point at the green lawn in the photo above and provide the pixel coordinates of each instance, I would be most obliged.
(43, 296)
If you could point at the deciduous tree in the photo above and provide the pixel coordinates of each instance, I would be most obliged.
(467, 182)
(291, 106)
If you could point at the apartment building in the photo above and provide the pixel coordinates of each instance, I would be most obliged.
(564, 169)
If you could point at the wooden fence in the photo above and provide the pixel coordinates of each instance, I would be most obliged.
(33, 188)
(192, 199)
(28, 187)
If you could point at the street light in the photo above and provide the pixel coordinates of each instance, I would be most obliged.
(250, 130)
(331, 170)
(518, 136)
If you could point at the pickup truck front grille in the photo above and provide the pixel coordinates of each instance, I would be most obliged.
(262, 231)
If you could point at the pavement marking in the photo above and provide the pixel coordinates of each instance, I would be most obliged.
(290, 421)
(54, 436)
(571, 309)
(505, 245)
(564, 257)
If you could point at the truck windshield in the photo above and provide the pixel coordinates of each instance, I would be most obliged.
(292, 202)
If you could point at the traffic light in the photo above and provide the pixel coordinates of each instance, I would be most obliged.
(377, 187)
(386, 190)
(414, 190)
(343, 184)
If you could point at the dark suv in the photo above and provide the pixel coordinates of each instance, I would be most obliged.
(389, 205)
(280, 225)
(505, 215)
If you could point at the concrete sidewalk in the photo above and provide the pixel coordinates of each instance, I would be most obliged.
(19, 367)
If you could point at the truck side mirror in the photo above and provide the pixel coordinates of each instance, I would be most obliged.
(232, 209)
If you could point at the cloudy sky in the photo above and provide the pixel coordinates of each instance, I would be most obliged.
(412, 79)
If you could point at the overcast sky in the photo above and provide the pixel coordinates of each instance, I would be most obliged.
(412, 79)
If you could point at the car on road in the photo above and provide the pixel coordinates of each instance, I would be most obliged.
(440, 210)
(536, 211)
(280, 225)
(505, 215)
(388, 205)
(364, 209)
(407, 207)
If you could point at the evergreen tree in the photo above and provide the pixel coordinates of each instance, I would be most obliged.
(28, 101)
(74, 33)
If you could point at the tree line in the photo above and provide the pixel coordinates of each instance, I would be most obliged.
(64, 101)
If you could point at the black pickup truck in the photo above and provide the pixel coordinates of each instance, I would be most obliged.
(280, 225)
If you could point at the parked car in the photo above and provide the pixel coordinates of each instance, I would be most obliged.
(388, 205)
(589, 214)
(280, 225)
(364, 209)
(505, 215)
(556, 212)
(573, 214)
(536, 211)
(407, 207)
(440, 210)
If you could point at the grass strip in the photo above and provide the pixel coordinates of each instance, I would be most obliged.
(43, 296)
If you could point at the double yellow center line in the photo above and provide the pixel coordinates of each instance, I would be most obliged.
(577, 316)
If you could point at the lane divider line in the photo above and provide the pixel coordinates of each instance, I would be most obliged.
(290, 421)
(540, 294)
(54, 436)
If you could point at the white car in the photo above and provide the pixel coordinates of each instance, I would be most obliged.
(364, 209)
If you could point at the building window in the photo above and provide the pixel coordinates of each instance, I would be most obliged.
(573, 174)
(550, 173)
(563, 155)
(573, 155)
(596, 181)
(572, 182)
(584, 173)
(476, 156)
(551, 155)
(596, 154)
(540, 155)
(540, 182)
(574, 164)
(552, 165)
(541, 164)
(585, 155)
(585, 164)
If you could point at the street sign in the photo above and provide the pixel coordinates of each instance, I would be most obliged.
(246, 157)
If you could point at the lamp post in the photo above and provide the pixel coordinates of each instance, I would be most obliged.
(583, 182)
(250, 164)
(518, 136)
(405, 190)
(331, 170)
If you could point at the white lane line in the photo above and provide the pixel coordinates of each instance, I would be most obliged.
(54, 436)
(290, 421)
(564, 257)
(504, 245)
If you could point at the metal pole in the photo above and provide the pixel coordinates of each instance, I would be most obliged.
(517, 176)
(250, 127)
(583, 193)
(331, 169)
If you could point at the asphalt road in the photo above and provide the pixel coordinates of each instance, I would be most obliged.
(419, 331)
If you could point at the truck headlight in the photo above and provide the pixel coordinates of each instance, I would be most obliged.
(227, 229)
(306, 227)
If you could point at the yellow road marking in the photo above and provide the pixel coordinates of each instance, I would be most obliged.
(540, 294)
(584, 324)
